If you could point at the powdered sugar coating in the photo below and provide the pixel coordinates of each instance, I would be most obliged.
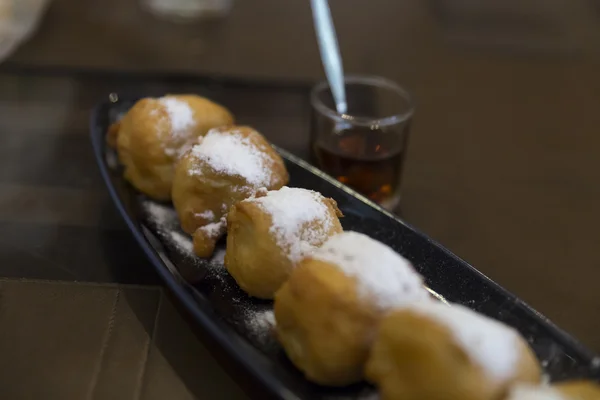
(206, 214)
(230, 152)
(181, 115)
(214, 229)
(530, 392)
(382, 274)
(489, 343)
(301, 219)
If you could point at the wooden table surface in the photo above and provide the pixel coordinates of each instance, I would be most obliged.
(503, 166)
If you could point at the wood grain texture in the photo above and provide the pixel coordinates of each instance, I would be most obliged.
(502, 167)
(64, 340)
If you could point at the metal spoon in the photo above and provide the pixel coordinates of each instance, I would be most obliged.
(330, 53)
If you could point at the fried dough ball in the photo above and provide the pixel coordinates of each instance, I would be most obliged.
(154, 133)
(579, 390)
(229, 164)
(574, 390)
(268, 235)
(434, 351)
(328, 311)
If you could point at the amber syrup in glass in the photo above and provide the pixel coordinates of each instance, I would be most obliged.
(367, 160)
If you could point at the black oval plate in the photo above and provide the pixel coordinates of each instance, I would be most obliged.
(239, 326)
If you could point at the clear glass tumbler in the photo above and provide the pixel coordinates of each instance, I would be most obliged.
(187, 10)
(364, 148)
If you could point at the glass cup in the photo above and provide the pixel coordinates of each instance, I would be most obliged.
(187, 10)
(364, 148)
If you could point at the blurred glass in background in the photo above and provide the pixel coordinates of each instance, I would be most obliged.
(18, 20)
(187, 10)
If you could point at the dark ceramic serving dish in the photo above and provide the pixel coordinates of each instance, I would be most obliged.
(227, 317)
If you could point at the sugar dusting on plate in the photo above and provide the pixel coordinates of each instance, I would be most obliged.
(167, 225)
(161, 215)
(301, 219)
(260, 324)
(182, 241)
(489, 343)
(229, 152)
(112, 160)
(381, 274)
(218, 258)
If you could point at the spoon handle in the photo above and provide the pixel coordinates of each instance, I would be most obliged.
(330, 53)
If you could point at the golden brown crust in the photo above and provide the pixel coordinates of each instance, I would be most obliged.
(332, 204)
(324, 326)
(415, 358)
(148, 149)
(251, 250)
(528, 368)
(254, 258)
(205, 241)
(201, 195)
(112, 134)
(579, 390)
